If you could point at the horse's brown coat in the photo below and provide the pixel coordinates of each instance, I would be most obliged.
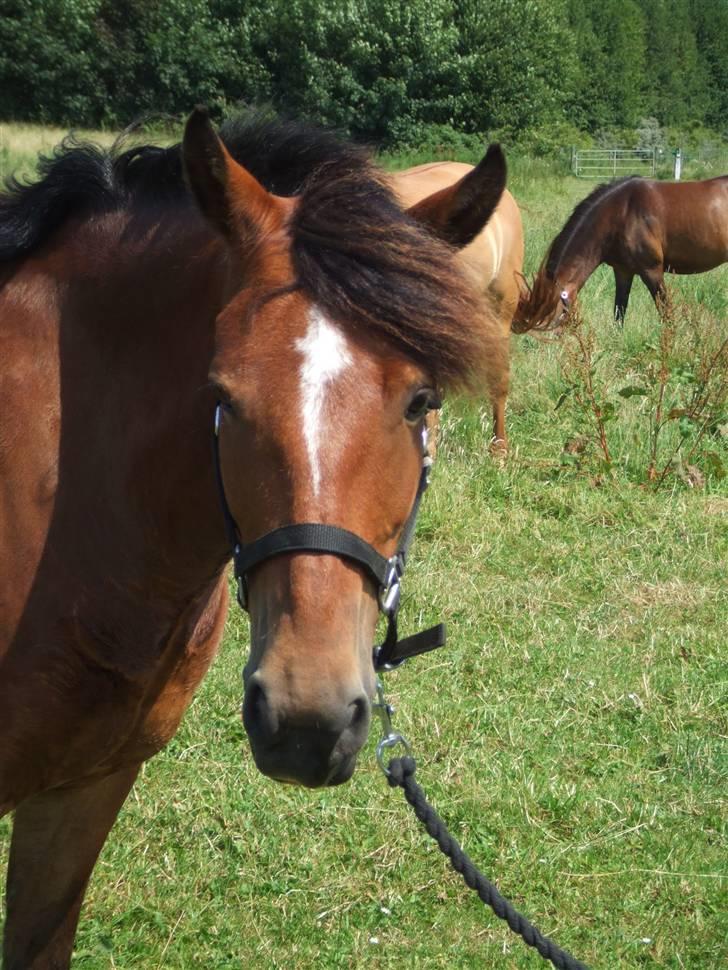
(118, 330)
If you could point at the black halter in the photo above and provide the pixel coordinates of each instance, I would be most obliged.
(317, 537)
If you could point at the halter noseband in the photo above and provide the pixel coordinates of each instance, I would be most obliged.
(331, 539)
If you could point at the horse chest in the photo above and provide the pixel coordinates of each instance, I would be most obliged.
(186, 659)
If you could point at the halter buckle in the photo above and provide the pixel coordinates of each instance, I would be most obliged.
(390, 590)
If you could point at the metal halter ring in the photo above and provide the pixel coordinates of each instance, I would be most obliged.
(390, 591)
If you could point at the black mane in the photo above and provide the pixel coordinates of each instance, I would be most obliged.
(82, 178)
(355, 252)
(558, 247)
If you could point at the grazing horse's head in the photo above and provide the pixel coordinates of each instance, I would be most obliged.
(544, 305)
(346, 319)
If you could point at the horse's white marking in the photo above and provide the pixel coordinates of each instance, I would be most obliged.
(493, 235)
(325, 356)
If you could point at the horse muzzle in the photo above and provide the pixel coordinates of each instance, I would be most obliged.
(312, 744)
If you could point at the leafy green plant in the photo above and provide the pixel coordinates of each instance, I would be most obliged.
(674, 400)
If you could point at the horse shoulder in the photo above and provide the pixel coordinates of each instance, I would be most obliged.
(495, 257)
(29, 435)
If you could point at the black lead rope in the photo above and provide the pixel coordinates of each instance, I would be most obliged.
(401, 773)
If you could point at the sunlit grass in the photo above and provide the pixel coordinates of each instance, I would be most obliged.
(572, 733)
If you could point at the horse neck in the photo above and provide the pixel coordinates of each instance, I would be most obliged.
(581, 255)
(136, 344)
(580, 247)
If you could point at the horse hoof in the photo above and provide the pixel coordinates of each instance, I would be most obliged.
(498, 448)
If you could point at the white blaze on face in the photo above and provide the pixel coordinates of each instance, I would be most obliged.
(325, 357)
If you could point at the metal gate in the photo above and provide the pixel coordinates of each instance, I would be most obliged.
(611, 163)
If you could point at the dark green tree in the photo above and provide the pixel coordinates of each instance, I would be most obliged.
(518, 64)
(611, 44)
(678, 84)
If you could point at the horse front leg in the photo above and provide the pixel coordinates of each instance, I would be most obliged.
(499, 392)
(654, 280)
(623, 285)
(57, 836)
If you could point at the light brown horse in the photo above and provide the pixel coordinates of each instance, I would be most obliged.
(638, 226)
(280, 277)
(494, 259)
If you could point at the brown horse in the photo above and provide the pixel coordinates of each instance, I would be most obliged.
(273, 271)
(638, 226)
(494, 258)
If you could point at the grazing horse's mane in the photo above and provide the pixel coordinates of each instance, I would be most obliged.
(539, 301)
(558, 247)
(355, 252)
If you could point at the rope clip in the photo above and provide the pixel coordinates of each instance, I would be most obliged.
(391, 738)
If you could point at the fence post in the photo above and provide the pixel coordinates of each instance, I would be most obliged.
(678, 165)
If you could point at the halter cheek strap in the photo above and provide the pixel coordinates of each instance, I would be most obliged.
(333, 540)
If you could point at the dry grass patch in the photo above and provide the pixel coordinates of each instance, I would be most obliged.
(716, 505)
(673, 592)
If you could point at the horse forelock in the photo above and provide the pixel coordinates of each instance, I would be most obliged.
(537, 305)
(375, 270)
(361, 259)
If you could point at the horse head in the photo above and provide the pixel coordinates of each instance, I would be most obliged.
(345, 320)
(545, 305)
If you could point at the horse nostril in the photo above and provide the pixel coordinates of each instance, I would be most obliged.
(257, 714)
(360, 714)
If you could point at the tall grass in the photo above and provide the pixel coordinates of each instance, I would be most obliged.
(572, 733)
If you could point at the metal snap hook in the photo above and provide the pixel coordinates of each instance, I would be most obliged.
(391, 737)
(391, 741)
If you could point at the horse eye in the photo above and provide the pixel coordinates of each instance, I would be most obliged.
(222, 396)
(424, 400)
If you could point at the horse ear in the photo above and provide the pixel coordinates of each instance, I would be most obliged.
(458, 213)
(229, 197)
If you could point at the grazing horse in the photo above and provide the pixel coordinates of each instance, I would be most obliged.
(494, 258)
(638, 226)
(266, 277)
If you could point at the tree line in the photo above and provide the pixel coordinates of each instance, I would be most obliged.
(384, 71)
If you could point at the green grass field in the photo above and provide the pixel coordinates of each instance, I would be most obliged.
(572, 734)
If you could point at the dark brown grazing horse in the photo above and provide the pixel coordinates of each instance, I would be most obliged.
(638, 226)
(271, 270)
